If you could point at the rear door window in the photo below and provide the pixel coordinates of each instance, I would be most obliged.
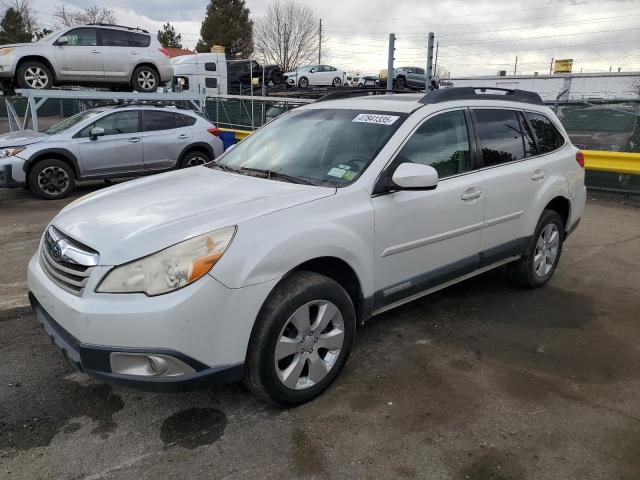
(114, 38)
(153, 120)
(549, 138)
(500, 135)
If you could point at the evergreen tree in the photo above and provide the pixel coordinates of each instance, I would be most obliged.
(168, 37)
(13, 28)
(227, 23)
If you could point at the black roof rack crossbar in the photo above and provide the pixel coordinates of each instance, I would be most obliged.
(361, 92)
(149, 103)
(480, 93)
(118, 26)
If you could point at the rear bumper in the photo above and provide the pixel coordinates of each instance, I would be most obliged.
(95, 360)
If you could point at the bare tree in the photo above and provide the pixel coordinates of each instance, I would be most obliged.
(65, 17)
(287, 35)
(26, 11)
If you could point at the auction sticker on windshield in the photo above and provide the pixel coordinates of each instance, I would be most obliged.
(376, 118)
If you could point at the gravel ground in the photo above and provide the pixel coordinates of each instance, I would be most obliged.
(480, 381)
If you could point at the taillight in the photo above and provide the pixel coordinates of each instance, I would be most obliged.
(165, 51)
(580, 158)
(214, 131)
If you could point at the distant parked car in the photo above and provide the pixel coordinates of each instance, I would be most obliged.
(367, 81)
(406, 77)
(106, 142)
(88, 55)
(315, 75)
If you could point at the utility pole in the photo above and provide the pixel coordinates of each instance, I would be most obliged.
(429, 76)
(320, 43)
(551, 66)
(392, 48)
(515, 66)
(435, 62)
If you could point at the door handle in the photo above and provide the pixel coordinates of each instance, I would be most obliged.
(95, 51)
(538, 175)
(182, 136)
(471, 194)
(134, 53)
(134, 139)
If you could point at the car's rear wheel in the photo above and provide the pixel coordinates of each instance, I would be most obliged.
(304, 82)
(194, 158)
(301, 339)
(35, 75)
(536, 267)
(51, 179)
(145, 79)
(336, 82)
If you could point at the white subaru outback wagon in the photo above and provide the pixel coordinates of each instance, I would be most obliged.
(260, 265)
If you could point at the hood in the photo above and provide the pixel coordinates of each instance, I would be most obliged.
(14, 45)
(19, 139)
(136, 218)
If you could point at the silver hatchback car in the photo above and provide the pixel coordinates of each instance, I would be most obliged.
(88, 55)
(108, 142)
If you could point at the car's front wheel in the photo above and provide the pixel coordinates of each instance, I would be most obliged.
(301, 339)
(51, 179)
(145, 79)
(304, 82)
(34, 74)
(536, 267)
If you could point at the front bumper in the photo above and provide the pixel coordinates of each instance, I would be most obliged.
(96, 361)
(7, 178)
(205, 327)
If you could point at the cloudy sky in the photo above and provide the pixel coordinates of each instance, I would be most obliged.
(476, 37)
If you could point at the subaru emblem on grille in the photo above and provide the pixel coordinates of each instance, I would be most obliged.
(56, 251)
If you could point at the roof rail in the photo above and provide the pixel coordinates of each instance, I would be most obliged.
(118, 26)
(361, 92)
(480, 93)
(149, 103)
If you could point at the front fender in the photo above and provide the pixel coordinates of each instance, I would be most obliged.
(269, 247)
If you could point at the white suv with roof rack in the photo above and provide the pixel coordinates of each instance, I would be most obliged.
(259, 266)
(88, 55)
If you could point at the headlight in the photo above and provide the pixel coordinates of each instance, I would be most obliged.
(10, 151)
(5, 51)
(169, 269)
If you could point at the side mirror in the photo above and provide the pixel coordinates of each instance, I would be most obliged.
(63, 40)
(415, 176)
(96, 132)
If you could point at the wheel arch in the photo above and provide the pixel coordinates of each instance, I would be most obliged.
(145, 64)
(562, 206)
(36, 58)
(57, 153)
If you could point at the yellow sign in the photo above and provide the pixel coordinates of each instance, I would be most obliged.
(563, 66)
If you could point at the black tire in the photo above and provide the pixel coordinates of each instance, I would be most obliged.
(401, 83)
(145, 79)
(303, 82)
(293, 292)
(336, 82)
(35, 75)
(194, 158)
(277, 78)
(51, 179)
(523, 271)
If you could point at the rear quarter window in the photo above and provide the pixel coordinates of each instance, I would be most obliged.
(549, 137)
(139, 40)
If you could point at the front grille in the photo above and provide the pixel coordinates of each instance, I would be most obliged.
(67, 262)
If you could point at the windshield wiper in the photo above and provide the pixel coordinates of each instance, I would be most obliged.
(272, 173)
(224, 168)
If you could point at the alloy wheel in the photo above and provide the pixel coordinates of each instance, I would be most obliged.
(195, 161)
(53, 180)
(36, 77)
(309, 344)
(546, 250)
(146, 80)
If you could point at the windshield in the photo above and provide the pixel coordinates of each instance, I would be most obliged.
(71, 121)
(48, 36)
(320, 147)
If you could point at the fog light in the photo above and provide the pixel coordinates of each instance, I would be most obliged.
(148, 365)
(159, 365)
